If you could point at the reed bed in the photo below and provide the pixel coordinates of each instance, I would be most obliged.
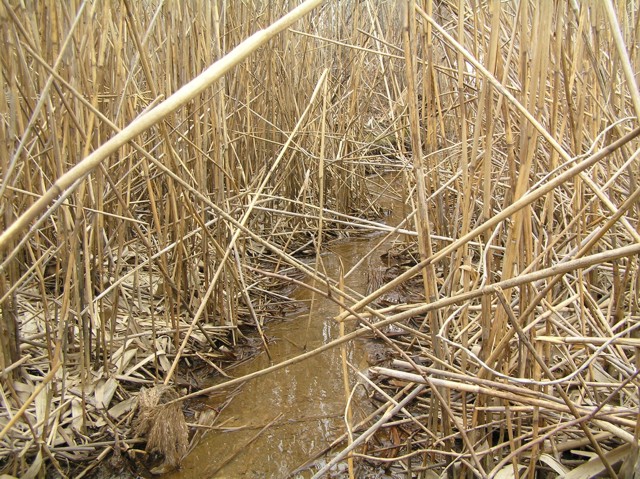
(165, 164)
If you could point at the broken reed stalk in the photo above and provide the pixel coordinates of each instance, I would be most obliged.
(389, 413)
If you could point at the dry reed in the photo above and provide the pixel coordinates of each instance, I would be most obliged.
(162, 423)
(159, 177)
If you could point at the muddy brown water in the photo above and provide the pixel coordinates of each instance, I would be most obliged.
(277, 422)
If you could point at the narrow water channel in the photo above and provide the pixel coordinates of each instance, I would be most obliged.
(275, 423)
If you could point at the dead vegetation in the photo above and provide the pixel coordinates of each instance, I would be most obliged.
(160, 420)
(160, 174)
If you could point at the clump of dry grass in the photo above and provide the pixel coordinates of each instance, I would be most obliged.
(161, 422)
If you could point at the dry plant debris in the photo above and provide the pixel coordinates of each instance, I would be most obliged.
(162, 423)
(164, 165)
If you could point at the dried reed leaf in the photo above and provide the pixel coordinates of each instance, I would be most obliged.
(34, 468)
(77, 412)
(630, 468)
(553, 464)
(507, 472)
(595, 466)
(104, 392)
(43, 406)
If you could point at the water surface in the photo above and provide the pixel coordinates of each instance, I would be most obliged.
(275, 423)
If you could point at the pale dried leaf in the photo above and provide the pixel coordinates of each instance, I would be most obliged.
(553, 464)
(65, 436)
(587, 454)
(105, 391)
(21, 387)
(34, 468)
(117, 354)
(507, 472)
(127, 357)
(141, 363)
(594, 466)
(77, 413)
(118, 410)
(601, 376)
(470, 271)
(42, 402)
(165, 364)
(630, 468)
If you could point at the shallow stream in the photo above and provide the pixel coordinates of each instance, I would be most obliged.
(277, 422)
